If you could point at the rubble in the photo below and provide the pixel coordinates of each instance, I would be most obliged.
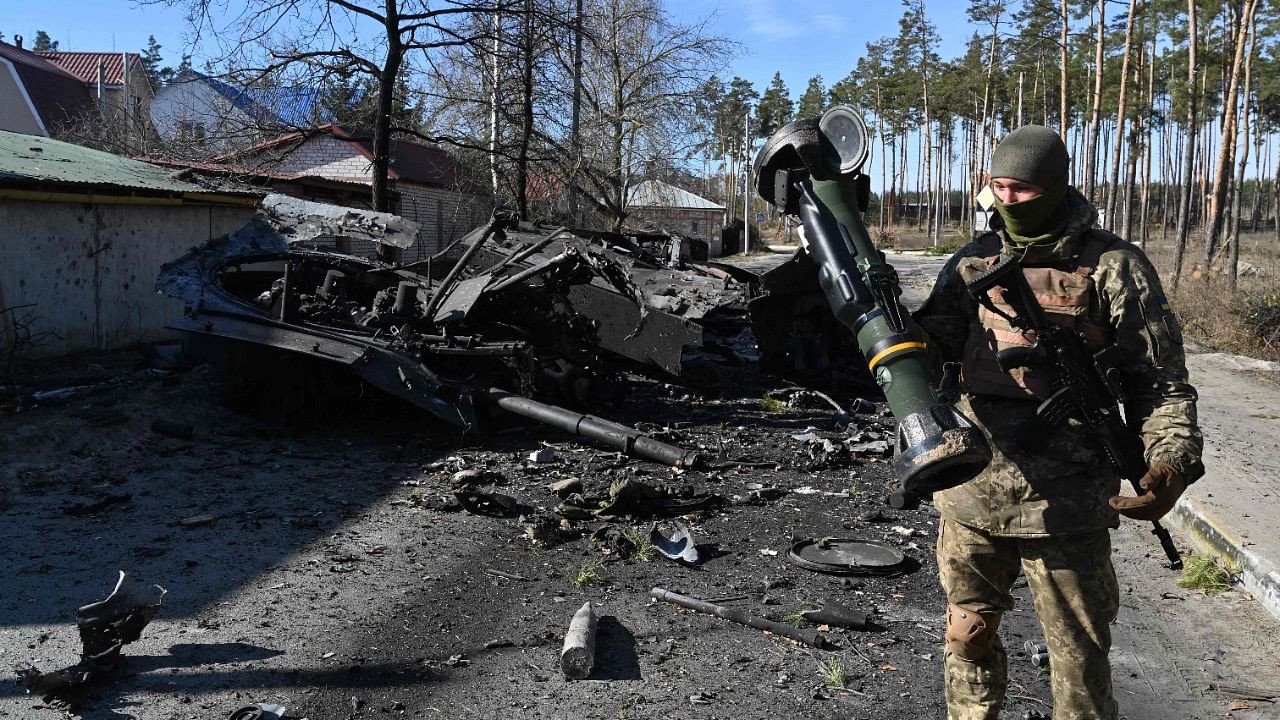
(105, 628)
(495, 326)
(679, 546)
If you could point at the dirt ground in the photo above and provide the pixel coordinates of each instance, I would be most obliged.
(325, 567)
(318, 568)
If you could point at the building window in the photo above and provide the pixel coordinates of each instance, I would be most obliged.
(693, 226)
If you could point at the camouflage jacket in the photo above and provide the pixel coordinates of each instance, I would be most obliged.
(1063, 486)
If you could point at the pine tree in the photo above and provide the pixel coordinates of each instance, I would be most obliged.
(44, 42)
(813, 102)
(775, 107)
(151, 60)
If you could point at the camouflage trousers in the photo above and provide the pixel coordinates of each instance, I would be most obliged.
(1076, 598)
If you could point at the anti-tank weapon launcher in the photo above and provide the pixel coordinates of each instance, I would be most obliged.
(812, 168)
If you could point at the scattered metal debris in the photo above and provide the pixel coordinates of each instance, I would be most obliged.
(632, 498)
(578, 655)
(846, 556)
(1038, 651)
(258, 711)
(493, 325)
(488, 503)
(812, 638)
(680, 546)
(833, 613)
(105, 628)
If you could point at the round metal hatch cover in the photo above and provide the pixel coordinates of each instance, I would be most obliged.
(847, 556)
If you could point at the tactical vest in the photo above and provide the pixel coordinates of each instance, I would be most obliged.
(1069, 298)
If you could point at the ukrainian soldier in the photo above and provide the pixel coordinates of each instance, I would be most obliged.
(1045, 508)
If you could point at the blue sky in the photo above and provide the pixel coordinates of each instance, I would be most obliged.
(800, 38)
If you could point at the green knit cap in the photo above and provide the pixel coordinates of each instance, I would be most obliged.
(1033, 154)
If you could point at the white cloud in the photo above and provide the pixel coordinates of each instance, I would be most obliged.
(788, 19)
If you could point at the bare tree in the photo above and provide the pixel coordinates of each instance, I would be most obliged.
(642, 72)
(1188, 158)
(1226, 146)
(1238, 189)
(1112, 188)
(312, 40)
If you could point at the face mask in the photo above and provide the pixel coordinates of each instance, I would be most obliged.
(1035, 220)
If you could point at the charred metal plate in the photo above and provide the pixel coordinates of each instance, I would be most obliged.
(847, 556)
(458, 303)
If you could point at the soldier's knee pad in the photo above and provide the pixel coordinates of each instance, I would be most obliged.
(970, 635)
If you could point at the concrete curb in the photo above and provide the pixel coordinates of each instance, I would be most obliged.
(1259, 575)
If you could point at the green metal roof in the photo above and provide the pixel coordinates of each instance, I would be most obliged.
(32, 161)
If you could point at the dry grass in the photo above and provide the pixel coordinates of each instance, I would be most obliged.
(1213, 314)
(1206, 572)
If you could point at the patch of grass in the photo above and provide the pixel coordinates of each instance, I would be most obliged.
(1204, 572)
(797, 618)
(643, 543)
(947, 247)
(833, 672)
(772, 405)
(589, 574)
(624, 713)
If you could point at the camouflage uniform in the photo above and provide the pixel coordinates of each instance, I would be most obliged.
(1045, 512)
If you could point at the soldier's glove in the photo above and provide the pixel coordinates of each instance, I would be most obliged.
(1163, 485)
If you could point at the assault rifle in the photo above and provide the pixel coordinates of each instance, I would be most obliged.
(1085, 385)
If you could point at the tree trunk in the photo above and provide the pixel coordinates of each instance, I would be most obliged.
(1188, 159)
(1244, 154)
(883, 159)
(575, 124)
(526, 106)
(1124, 203)
(493, 106)
(1091, 149)
(386, 102)
(1063, 57)
(1120, 121)
(1148, 148)
(984, 118)
(1226, 149)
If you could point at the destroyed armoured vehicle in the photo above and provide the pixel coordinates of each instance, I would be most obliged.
(508, 313)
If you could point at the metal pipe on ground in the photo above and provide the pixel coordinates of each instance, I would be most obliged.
(812, 638)
(611, 434)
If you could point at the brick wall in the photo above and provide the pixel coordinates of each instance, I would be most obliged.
(701, 224)
(326, 156)
(445, 215)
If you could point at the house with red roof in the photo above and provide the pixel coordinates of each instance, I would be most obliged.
(117, 83)
(38, 97)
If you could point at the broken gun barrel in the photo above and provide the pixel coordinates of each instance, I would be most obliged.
(623, 438)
